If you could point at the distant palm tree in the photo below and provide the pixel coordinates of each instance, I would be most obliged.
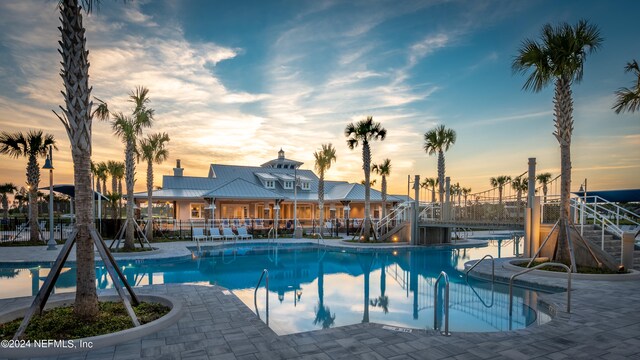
(103, 172)
(129, 128)
(437, 141)
(363, 132)
(456, 190)
(152, 150)
(5, 190)
(559, 57)
(323, 160)
(116, 170)
(323, 312)
(431, 183)
(500, 182)
(544, 179)
(465, 193)
(21, 197)
(31, 145)
(520, 184)
(629, 99)
(383, 169)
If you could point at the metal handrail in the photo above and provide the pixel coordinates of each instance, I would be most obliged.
(255, 293)
(534, 268)
(443, 275)
(493, 268)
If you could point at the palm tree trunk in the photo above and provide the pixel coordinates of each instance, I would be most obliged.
(366, 166)
(75, 73)
(114, 184)
(320, 202)
(121, 196)
(441, 175)
(149, 229)
(433, 194)
(563, 108)
(130, 174)
(33, 179)
(5, 207)
(384, 196)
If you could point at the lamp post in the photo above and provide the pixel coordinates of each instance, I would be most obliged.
(297, 233)
(48, 165)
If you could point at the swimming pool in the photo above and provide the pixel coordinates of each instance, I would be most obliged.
(314, 287)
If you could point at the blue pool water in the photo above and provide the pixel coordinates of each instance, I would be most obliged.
(313, 287)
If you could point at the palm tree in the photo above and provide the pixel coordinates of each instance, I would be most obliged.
(77, 118)
(152, 150)
(431, 183)
(383, 169)
(21, 197)
(456, 190)
(31, 145)
(5, 190)
(519, 184)
(500, 182)
(323, 160)
(116, 170)
(559, 57)
(544, 179)
(438, 141)
(465, 194)
(129, 128)
(102, 173)
(363, 132)
(629, 99)
(323, 312)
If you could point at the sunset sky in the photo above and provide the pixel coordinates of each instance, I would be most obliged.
(232, 82)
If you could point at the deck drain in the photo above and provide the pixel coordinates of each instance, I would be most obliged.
(226, 292)
(395, 328)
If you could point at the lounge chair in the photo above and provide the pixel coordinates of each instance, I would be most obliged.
(243, 234)
(198, 234)
(214, 234)
(225, 223)
(259, 223)
(236, 223)
(228, 234)
(247, 222)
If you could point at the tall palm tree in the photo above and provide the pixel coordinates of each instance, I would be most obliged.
(438, 141)
(102, 173)
(465, 194)
(32, 145)
(559, 57)
(500, 182)
(629, 99)
(129, 128)
(363, 132)
(77, 118)
(431, 183)
(544, 180)
(152, 150)
(456, 190)
(5, 190)
(383, 169)
(116, 170)
(323, 160)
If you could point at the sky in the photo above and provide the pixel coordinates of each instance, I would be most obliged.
(233, 82)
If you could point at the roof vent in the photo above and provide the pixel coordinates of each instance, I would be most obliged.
(281, 154)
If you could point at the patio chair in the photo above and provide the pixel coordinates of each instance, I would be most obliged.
(259, 223)
(225, 223)
(243, 234)
(236, 223)
(198, 234)
(214, 234)
(247, 222)
(228, 234)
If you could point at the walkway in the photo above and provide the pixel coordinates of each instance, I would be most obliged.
(604, 324)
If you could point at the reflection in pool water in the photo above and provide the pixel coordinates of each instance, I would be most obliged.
(315, 287)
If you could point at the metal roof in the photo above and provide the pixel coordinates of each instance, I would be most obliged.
(173, 194)
(242, 189)
(625, 195)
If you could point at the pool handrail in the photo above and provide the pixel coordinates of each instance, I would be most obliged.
(537, 267)
(493, 268)
(443, 275)
(255, 293)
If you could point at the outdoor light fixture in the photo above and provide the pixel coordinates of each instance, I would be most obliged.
(281, 297)
(48, 165)
(299, 294)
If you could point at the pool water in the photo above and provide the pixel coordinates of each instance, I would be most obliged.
(313, 287)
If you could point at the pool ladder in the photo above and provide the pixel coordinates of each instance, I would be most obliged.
(443, 275)
(255, 293)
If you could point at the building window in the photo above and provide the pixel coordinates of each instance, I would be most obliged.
(305, 186)
(288, 184)
(197, 211)
(269, 184)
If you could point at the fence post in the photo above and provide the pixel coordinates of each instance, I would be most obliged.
(529, 223)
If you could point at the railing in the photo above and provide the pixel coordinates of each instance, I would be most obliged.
(534, 268)
(493, 268)
(601, 210)
(255, 294)
(443, 275)
(396, 216)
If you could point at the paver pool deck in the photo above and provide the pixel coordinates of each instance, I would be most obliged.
(604, 323)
